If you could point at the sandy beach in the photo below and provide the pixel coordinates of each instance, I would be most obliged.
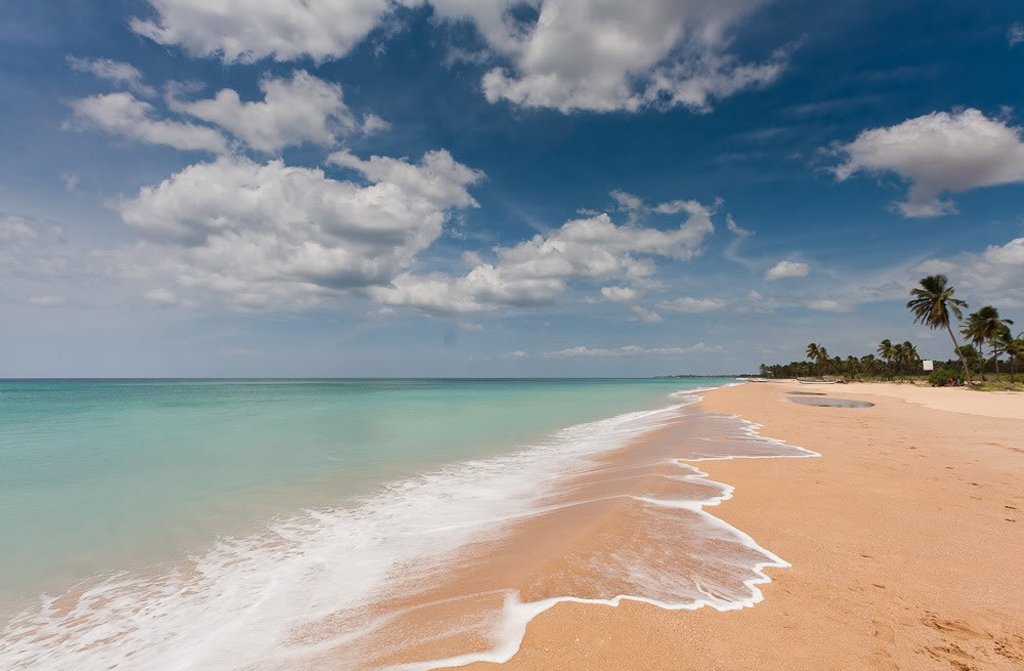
(906, 540)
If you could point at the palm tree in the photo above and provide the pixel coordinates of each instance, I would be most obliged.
(885, 351)
(867, 363)
(931, 304)
(985, 326)
(813, 352)
(1012, 347)
(908, 355)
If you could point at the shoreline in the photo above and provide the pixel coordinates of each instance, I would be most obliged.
(885, 535)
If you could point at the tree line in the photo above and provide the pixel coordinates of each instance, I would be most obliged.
(934, 304)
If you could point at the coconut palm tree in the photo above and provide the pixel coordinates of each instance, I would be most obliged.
(908, 356)
(813, 353)
(886, 351)
(931, 304)
(1012, 347)
(984, 326)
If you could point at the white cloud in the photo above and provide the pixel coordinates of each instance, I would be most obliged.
(996, 276)
(573, 55)
(373, 124)
(646, 314)
(1015, 35)
(248, 30)
(124, 114)
(627, 201)
(631, 351)
(828, 305)
(736, 229)
(935, 267)
(692, 305)
(71, 181)
(607, 56)
(123, 74)
(32, 248)
(438, 178)
(537, 271)
(619, 294)
(269, 236)
(939, 153)
(784, 269)
(293, 111)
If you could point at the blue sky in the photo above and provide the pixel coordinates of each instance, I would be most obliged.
(438, 187)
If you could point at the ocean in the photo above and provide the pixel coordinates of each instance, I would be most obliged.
(191, 520)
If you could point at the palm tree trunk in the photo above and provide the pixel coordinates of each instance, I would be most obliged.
(995, 357)
(956, 348)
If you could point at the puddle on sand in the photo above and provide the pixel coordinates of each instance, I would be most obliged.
(826, 402)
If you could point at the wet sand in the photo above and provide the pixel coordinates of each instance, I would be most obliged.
(634, 523)
(906, 540)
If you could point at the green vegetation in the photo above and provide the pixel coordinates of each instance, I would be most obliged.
(934, 304)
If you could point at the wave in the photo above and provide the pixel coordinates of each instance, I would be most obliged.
(436, 570)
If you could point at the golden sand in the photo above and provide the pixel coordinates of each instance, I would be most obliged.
(906, 541)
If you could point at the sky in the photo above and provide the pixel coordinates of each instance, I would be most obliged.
(407, 188)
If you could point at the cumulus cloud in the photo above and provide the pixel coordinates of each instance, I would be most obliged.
(270, 236)
(994, 276)
(293, 111)
(564, 54)
(692, 305)
(537, 271)
(248, 30)
(607, 56)
(630, 351)
(619, 294)
(123, 74)
(938, 153)
(124, 114)
(784, 269)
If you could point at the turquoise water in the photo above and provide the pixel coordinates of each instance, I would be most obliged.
(102, 475)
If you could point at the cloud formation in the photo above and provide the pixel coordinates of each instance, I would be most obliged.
(938, 153)
(249, 30)
(566, 54)
(688, 304)
(784, 269)
(124, 114)
(629, 351)
(122, 74)
(606, 56)
(293, 111)
(274, 237)
(537, 271)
